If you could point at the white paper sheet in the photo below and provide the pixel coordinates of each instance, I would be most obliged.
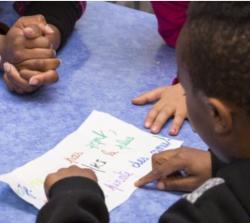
(118, 152)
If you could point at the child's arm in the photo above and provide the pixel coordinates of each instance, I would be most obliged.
(182, 169)
(74, 196)
(222, 199)
(212, 202)
(170, 101)
(171, 17)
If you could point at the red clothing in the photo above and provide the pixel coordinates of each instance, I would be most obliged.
(171, 17)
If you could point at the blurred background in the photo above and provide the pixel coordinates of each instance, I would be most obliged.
(139, 5)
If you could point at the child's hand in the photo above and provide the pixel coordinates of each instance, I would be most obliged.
(38, 20)
(182, 169)
(171, 102)
(30, 74)
(27, 81)
(72, 171)
(51, 32)
(20, 41)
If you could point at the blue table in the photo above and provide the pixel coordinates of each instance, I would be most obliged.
(114, 54)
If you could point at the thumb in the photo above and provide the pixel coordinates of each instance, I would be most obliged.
(187, 184)
(46, 29)
(148, 97)
(171, 166)
(47, 77)
(32, 31)
(151, 176)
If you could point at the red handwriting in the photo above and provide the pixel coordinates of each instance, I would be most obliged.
(74, 157)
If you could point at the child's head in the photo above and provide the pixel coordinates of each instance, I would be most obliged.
(213, 57)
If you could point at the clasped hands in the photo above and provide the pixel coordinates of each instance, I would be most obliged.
(28, 57)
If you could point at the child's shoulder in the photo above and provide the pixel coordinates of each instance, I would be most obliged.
(225, 198)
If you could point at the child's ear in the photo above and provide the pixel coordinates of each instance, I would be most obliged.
(221, 115)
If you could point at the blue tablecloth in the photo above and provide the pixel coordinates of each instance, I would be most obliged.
(114, 54)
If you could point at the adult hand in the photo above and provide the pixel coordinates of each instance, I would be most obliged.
(72, 171)
(171, 102)
(182, 169)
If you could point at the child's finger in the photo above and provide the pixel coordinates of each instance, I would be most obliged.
(161, 119)
(8, 83)
(47, 77)
(13, 75)
(35, 19)
(39, 65)
(152, 114)
(24, 21)
(178, 121)
(162, 157)
(37, 53)
(178, 183)
(173, 165)
(19, 84)
(148, 97)
(27, 74)
(151, 176)
(39, 42)
(12, 86)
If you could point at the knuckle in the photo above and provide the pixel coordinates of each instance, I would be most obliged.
(16, 42)
(153, 112)
(51, 53)
(40, 64)
(170, 185)
(17, 54)
(74, 167)
(21, 19)
(62, 169)
(155, 158)
(166, 111)
(180, 115)
(40, 18)
(181, 153)
(49, 176)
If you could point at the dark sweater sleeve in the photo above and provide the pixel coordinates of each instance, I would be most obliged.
(216, 164)
(63, 15)
(74, 199)
(216, 205)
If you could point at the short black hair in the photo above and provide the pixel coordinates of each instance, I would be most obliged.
(217, 51)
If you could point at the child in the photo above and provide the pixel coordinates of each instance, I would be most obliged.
(215, 42)
(28, 48)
